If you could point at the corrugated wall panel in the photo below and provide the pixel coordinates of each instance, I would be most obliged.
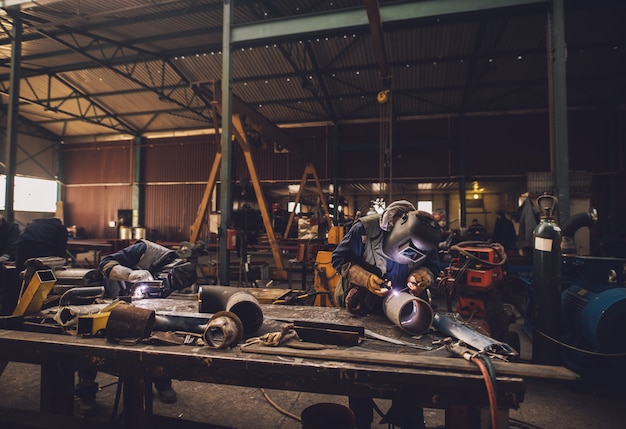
(183, 159)
(170, 210)
(98, 163)
(98, 183)
(93, 207)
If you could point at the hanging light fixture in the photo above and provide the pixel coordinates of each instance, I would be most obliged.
(477, 191)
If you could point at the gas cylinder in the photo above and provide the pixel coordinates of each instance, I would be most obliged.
(546, 286)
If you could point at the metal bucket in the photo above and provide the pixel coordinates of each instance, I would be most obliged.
(327, 415)
(126, 233)
(139, 233)
(408, 312)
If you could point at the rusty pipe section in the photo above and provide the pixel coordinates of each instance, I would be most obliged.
(410, 313)
(213, 299)
(224, 329)
(127, 322)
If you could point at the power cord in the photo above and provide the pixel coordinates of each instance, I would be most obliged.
(279, 408)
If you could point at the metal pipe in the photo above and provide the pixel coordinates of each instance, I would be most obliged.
(81, 294)
(480, 342)
(220, 330)
(127, 322)
(573, 224)
(213, 299)
(408, 312)
(224, 329)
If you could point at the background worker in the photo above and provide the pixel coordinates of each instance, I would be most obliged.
(138, 262)
(476, 231)
(504, 232)
(9, 234)
(370, 267)
(440, 217)
(41, 237)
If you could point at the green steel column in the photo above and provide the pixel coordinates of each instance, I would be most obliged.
(557, 81)
(13, 113)
(335, 171)
(462, 141)
(137, 189)
(225, 169)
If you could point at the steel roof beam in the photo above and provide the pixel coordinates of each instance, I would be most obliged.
(353, 18)
(134, 57)
(88, 106)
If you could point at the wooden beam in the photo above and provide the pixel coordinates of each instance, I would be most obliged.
(308, 170)
(204, 203)
(240, 135)
(415, 360)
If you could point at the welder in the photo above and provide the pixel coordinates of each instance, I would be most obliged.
(138, 262)
(9, 234)
(393, 250)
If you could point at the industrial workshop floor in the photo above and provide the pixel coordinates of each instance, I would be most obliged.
(547, 405)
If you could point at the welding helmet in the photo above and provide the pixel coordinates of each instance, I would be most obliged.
(412, 236)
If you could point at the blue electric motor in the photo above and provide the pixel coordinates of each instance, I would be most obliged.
(594, 302)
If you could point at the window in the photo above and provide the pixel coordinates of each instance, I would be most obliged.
(31, 195)
(425, 206)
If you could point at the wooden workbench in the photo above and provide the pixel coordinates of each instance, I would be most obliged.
(372, 368)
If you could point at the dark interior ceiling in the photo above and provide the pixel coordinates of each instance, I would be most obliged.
(140, 67)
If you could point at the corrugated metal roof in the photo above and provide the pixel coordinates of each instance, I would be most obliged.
(131, 56)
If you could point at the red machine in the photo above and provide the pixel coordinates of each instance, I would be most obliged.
(474, 277)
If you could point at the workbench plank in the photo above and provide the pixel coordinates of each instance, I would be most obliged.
(418, 361)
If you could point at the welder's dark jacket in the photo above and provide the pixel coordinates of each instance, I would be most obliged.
(362, 245)
(9, 234)
(143, 255)
(41, 237)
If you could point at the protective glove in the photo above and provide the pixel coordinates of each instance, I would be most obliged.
(361, 277)
(4, 258)
(120, 272)
(419, 280)
(374, 285)
(354, 298)
(140, 276)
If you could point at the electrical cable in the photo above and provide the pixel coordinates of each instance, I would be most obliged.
(491, 369)
(565, 345)
(496, 246)
(493, 406)
(522, 424)
(278, 408)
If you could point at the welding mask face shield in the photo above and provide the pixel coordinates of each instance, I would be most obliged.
(413, 235)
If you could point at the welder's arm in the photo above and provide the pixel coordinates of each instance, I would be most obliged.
(120, 272)
(361, 277)
(116, 266)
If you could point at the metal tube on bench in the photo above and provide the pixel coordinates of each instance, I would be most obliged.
(213, 299)
(410, 313)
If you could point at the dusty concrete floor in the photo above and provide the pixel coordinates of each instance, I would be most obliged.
(547, 405)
